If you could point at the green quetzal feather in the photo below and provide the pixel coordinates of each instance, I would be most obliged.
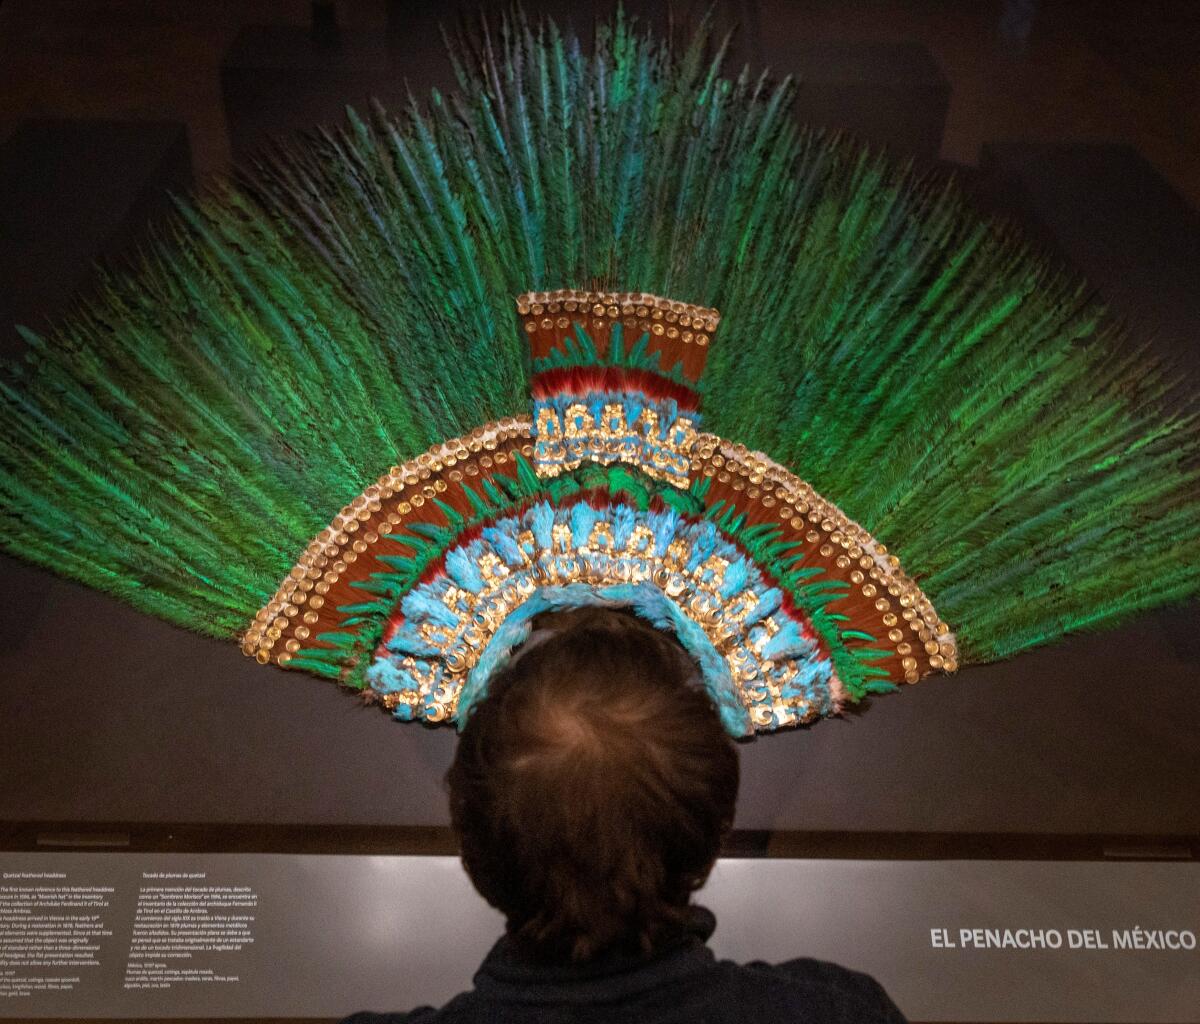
(347, 302)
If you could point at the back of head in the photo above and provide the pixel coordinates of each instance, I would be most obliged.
(592, 787)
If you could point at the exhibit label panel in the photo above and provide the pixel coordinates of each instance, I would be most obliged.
(273, 935)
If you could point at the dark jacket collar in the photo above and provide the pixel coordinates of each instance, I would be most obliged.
(510, 974)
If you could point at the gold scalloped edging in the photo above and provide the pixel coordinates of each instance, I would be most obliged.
(825, 524)
(676, 320)
(328, 555)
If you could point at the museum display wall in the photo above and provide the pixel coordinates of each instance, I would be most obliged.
(1055, 791)
(1092, 737)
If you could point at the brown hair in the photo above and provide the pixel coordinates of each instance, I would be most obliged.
(592, 787)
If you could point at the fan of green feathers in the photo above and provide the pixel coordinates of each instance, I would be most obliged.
(347, 302)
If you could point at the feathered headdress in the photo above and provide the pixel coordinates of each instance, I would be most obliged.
(403, 386)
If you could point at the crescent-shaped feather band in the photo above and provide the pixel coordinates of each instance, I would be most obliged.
(609, 493)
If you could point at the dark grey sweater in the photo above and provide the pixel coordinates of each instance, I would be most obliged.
(683, 983)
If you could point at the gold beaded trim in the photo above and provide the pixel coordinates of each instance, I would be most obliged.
(676, 320)
(349, 535)
(877, 574)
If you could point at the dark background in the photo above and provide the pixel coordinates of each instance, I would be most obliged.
(1077, 119)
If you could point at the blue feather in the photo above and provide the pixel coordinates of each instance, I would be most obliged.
(423, 605)
(736, 577)
(624, 520)
(504, 544)
(768, 603)
(462, 568)
(665, 524)
(541, 522)
(583, 518)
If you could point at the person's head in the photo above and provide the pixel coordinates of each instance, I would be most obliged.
(592, 787)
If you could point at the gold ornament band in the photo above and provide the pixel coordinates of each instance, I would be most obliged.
(763, 687)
